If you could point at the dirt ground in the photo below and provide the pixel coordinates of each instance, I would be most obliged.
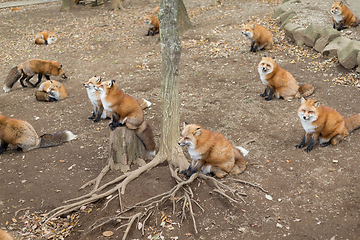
(313, 195)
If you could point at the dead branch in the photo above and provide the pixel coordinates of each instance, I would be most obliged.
(129, 224)
(250, 184)
(97, 180)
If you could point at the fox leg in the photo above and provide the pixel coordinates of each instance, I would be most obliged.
(304, 140)
(115, 122)
(94, 113)
(28, 81)
(148, 33)
(153, 32)
(3, 146)
(187, 171)
(340, 26)
(98, 115)
(252, 47)
(313, 140)
(22, 80)
(271, 93)
(218, 172)
(199, 164)
(265, 92)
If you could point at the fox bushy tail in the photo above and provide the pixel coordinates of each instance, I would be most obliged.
(352, 123)
(306, 90)
(51, 140)
(145, 134)
(11, 79)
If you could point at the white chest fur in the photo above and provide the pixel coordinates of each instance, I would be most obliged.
(92, 96)
(308, 126)
(106, 104)
(262, 76)
(338, 17)
(194, 154)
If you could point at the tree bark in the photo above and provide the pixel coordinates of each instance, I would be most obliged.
(125, 148)
(171, 50)
(184, 23)
(67, 4)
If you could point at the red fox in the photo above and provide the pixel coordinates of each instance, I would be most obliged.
(280, 82)
(5, 236)
(259, 36)
(51, 91)
(211, 152)
(152, 22)
(23, 136)
(343, 17)
(324, 124)
(31, 67)
(95, 99)
(46, 38)
(126, 111)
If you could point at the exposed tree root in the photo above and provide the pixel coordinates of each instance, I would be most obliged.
(121, 182)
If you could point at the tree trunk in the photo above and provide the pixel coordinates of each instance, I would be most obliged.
(67, 4)
(171, 50)
(184, 23)
(125, 148)
(116, 4)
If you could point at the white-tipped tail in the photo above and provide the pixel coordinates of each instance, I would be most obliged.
(153, 153)
(148, 104)
(242, 150)
(70, 136)
(6, 89)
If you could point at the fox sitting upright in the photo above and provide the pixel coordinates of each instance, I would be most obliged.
(29, 68)
(324, 124)
(46, 38)
(259, 36)
(126, 111)
(211, 152)
(152, 22)
(23, 136)
(343, 17)
(95, 99)
(280, 82)
(51, 91)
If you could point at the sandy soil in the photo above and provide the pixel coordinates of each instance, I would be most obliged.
(314, 195)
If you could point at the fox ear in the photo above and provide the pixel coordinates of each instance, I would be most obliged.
(341, 3)
(51, 81)
(60, 66)
(186, 123)
(264, 56)
(316, 104)
(58, 85)
(273, 57)
(94, 75)
(252, 26)
(197, 132)
(98, 79)
(110, 83)
(303, 100)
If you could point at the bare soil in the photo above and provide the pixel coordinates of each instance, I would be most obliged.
(314, 195)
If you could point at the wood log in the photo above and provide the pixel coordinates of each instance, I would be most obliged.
(125, 148)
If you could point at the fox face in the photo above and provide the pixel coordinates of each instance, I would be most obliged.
(52, 39)
(147, 21)
(62, 72)
(336, 8)
(105, 87)
(189, 135)
(248, 31)
(308, 114)
(266, 66)
(94, 81)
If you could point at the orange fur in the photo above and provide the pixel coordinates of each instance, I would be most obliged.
(280, 82)
(52, 91)
(29, 68)
(211, 152)
(126, 111)
(259, 36)
(152, 22)
(22, 135)
(5, 236)
(324, 124)
(342, 16)
(46, 38)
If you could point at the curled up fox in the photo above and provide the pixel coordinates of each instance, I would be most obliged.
(26, 70)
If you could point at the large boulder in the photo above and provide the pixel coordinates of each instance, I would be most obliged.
(348, 55)
(311, 34)
(299, 36)
(331, 50)
(290, 29)
(328, 34)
